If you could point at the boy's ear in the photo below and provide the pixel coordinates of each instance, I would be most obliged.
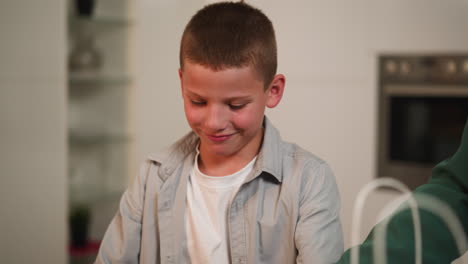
(275, 91)
(180, 74)
(180, 78)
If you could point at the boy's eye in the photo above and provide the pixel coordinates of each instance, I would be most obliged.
(236, 106)
(198, 103)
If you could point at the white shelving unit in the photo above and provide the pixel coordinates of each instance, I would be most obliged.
(99, 131)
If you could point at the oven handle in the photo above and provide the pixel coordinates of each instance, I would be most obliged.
(425, 91)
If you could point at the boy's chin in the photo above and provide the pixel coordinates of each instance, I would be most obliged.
(220, 150)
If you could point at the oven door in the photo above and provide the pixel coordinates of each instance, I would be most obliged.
(420, 126)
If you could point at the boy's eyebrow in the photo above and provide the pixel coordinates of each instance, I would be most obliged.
(192, 93)
(238, 98)
(246, 97)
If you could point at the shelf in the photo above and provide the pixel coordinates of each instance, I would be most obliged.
(95, 139)
(94, 196)
(93, 80)
(100, 22)
(89, 250)
(87, 197)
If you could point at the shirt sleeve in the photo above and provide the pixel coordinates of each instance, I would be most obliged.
(121, 243)
(319, 237)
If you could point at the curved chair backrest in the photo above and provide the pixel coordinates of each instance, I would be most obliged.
(432, 205)
(359, 206)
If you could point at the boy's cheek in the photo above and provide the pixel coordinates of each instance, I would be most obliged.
(251, 116)
(193, 115)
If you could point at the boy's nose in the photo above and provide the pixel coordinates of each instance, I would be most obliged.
(216, 119)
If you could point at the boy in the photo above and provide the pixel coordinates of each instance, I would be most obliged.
(231, 191)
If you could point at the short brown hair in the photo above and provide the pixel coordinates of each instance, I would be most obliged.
(229, 34)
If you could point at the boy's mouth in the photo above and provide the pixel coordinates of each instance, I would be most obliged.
(219, 138)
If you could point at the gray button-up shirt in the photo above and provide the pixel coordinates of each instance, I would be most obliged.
(286, 211)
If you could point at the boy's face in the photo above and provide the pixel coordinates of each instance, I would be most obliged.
(225, 108)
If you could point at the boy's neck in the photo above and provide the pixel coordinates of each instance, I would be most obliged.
(218, 165)
(227, 166)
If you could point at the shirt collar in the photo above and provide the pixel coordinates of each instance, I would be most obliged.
(269, 158)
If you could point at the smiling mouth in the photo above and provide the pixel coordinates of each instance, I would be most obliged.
(219, 138)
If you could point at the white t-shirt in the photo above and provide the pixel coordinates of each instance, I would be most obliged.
(208, 199)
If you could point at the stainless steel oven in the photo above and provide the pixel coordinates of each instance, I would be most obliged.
(423, 106)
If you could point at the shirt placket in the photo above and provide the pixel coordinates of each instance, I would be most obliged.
(171, 216)
(166, 230)
(237, 234)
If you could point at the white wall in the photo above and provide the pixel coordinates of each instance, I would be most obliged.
(32, 132)
(328, 52)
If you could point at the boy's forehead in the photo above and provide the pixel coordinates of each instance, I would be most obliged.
(214, 67)
(194, 66)
(203, 81)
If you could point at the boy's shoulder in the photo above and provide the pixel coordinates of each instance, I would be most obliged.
(297, 153)
(287, 149)
(176, 152)
(302, 172)
(284, 159)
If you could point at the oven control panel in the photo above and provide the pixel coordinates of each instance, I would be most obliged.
(434, 69)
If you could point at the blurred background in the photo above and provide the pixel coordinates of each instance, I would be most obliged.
(89, 88)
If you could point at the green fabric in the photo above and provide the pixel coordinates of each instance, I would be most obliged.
(448, 183)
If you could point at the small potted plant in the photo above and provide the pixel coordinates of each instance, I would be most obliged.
(79, 220)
